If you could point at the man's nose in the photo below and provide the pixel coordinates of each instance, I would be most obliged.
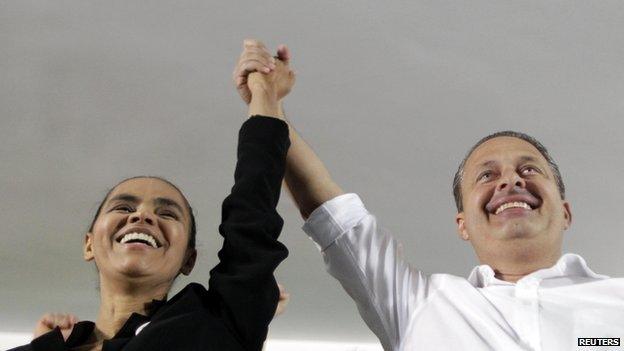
(510, 180)
(142, 216)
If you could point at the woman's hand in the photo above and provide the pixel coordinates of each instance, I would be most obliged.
(49, 321)
(284, 298)
(256, 68)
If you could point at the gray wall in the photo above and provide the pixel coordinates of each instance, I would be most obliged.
(390, 94)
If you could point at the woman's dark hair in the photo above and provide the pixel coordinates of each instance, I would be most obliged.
(192, 227)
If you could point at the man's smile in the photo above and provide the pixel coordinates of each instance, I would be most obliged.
(516, 203)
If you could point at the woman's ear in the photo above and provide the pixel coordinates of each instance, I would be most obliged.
(189, 261)
(87, 249)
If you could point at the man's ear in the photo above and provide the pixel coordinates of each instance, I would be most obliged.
(567, 213)
(87, 249)
(461, 226)
(189, 261)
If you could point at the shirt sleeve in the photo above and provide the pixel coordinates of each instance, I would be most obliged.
(243, 281)
(368, 262)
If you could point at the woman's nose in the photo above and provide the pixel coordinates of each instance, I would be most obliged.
(141, 216)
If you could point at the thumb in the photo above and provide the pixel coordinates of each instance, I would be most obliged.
(283, 53)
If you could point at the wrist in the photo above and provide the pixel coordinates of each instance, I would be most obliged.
(262, 90)
(264, 103)
(280, 109)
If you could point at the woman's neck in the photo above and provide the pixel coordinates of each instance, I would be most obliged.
(119, 301)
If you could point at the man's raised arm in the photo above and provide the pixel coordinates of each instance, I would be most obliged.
(366, 260)
(307, 179)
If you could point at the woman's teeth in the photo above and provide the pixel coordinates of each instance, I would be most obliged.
(507, 205)
(141, 237)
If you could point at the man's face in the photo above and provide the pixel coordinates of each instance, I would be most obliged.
(141, 232)
(510, 193)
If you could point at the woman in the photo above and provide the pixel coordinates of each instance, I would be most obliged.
(143, 236)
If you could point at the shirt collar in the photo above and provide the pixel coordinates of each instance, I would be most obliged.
(568, 265)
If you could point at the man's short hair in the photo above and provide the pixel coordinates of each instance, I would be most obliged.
(459, 175)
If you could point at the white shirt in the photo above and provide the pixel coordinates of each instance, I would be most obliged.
(546, 310)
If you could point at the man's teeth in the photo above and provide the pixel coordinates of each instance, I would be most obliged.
(507, 205)
(140, 236)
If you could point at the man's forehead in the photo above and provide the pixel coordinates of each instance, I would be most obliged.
(503, 148)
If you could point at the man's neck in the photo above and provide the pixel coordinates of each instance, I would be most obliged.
(118, 301)
(518, 261)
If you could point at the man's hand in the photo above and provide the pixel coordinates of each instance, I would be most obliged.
(276, 84)
(258, 70)
(50, 321)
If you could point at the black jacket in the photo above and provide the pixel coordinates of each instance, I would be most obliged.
(235, 311)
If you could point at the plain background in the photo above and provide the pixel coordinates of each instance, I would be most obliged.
(390, 94)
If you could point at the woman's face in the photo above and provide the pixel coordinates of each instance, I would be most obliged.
(142, 231)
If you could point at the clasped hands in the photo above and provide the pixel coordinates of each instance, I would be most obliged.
(263, 80)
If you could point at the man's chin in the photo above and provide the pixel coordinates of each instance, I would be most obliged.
(516, 229)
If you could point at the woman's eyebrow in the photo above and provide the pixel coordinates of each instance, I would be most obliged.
(125, 197)
(164, 201)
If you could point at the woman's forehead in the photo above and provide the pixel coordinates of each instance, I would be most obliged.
(148, 188)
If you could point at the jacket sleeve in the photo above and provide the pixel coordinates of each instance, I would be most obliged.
(243, 283)
(369, 264)
(51, 341)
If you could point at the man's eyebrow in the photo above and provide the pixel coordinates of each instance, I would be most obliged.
(487, 164)
(124, 197)
(165, 201)
(524, 158)
(527, 158)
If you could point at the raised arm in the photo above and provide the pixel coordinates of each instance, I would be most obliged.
(366, 260)
(307, 178)
(242, 284)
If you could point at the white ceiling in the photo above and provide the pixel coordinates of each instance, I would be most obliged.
(390, 94)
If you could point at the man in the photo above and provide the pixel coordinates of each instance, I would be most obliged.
(511, 208)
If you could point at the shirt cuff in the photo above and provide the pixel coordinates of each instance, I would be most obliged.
(333, 218)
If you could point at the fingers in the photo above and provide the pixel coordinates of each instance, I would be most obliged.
(255, 54)
(283, 53)
(284, 297)
(249, 43)
(49, 321)
(46, 320)
(67, 321)
(251, 66)
(254, 49)
(255, 58)
(63, 321)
